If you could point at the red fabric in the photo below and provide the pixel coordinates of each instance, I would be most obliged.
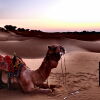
(1, 58)
(8, 60)
(5, 63)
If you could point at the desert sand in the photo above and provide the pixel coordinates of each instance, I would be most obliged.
(79, 81)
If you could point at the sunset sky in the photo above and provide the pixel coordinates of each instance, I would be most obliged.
(51, 15)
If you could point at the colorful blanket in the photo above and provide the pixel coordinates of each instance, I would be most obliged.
(5, 63)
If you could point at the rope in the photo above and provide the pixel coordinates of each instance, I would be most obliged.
(62, 67)
(62, 70)
(48, 82)
(65, 69)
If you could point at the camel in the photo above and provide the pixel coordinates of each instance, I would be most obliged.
(29, 79)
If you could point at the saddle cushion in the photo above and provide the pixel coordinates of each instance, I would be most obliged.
(5, 63)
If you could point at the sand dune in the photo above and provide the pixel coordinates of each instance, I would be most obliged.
(40, 45)
(9, 43)
(81, 61)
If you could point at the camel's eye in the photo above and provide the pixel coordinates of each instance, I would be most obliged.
(49, 47)
(52, 48)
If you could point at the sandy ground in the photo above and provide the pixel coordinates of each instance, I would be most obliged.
(79, 81)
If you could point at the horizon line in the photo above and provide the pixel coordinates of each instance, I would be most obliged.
(87, 30)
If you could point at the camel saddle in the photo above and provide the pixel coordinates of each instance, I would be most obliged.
(8, 64)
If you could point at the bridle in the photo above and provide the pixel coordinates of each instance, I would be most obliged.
(56, 55)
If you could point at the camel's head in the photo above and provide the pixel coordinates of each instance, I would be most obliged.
(55, 52)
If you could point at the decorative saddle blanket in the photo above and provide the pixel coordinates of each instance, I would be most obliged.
(11, 65)
(5, 63)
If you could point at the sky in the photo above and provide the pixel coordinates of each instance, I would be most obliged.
(51, 15)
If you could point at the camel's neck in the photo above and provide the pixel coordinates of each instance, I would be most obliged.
(46, 67)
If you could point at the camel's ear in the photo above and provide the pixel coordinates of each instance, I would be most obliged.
(49, 47)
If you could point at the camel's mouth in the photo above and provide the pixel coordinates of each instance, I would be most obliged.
(62, 51)
(56, 50)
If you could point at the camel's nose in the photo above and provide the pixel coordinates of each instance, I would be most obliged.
(62, 52)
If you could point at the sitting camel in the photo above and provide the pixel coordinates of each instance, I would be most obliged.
(29, 79)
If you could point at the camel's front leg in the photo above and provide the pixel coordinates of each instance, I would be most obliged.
(26, 83)
(46, 86)
(27, 86)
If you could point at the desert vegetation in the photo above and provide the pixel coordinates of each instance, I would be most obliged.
(83, 35)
